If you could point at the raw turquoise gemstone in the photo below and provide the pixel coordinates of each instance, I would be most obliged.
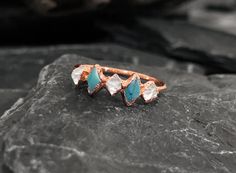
(93, 80)
(132, 92)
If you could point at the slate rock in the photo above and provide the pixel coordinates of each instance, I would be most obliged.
(223, 81)
(214, 14)
(197, 44)
(60, 128)
(9, 97)
(181, 40)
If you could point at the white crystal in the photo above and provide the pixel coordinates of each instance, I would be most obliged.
(150, 92)
(113, 84)
(76, 74)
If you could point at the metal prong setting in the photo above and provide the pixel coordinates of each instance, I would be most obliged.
(131, 88)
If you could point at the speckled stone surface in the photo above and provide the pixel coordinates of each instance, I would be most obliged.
(8, 97)
(60, 128)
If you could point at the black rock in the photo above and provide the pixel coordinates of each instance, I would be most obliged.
(9, 97)
(181, 40)
(215, 14)
(59, 128)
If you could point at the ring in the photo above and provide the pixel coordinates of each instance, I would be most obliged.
(113, 79)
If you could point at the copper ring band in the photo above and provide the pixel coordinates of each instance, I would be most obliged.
(87, 68)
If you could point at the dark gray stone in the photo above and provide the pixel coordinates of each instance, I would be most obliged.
(193, 43)
(215, 14)
(181, 40)
(9, 97)
(223, 81)
(59, 128)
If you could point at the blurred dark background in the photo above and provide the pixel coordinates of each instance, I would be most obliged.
(47, 22)
(50, 22)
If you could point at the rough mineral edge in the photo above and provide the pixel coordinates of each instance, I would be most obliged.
(8, 112)
(41, 81)
(113, 84)
(76, 151)
(150, 92)
(42, 75)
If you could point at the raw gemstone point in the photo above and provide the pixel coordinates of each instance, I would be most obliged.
(76, 74)
(93, 80)
(150, 92)
(113, 84)
(132, 92)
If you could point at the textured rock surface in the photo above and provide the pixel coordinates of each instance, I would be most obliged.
(186, 40)
(59, 128)
(181, 40)
(8, 98)
(216, 14)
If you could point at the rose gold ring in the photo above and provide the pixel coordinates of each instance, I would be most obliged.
(129, 83)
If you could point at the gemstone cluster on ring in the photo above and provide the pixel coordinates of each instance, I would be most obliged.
(131, 89)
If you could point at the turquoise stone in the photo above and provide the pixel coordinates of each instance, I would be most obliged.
(132, 92)
(93, 80)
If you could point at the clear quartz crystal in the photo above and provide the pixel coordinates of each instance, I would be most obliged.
(150, 92)
(76, 74)
(113, 84)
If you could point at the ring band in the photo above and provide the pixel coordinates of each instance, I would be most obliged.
(131, 88)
